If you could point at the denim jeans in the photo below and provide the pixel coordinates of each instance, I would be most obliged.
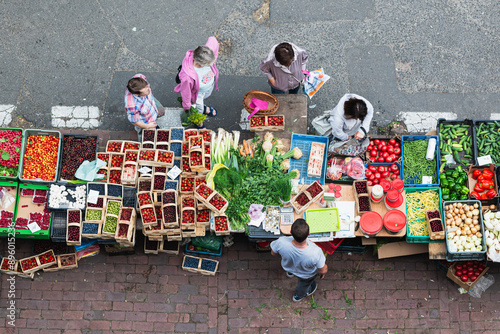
(303, 286)
(291, 91)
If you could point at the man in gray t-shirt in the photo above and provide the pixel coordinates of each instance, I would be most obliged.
(302, 258)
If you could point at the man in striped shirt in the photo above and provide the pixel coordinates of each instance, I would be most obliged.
(141, 106)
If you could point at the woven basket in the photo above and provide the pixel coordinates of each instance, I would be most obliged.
(264, 96)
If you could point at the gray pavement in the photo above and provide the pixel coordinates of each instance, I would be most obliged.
(410, 57)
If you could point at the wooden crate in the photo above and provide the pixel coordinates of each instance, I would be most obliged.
(151, 250)
(198, 269)
(114, 146)
(199, 153)
(94, 209)
(165, 158)
(207, 201)
(36, 259)
(435, 235)
(131, 145)
(62, 262)
(187, 226)
(116, 160)
(129, 179)
(221, 232)
(190, 132)
(104, 156)
(266, 123)
(92, 235)
(164, 242)
(76, 224)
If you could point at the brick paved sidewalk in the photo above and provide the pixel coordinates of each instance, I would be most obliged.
(250, 294)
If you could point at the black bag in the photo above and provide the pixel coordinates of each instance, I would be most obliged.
(177, 79)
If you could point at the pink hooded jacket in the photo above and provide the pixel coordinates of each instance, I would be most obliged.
(190, 86)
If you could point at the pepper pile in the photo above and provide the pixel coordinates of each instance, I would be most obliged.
(454, 184)
(485, 185)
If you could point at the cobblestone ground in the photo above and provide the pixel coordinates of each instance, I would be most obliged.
(250, 294)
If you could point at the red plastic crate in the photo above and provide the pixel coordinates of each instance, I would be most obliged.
(330, 246)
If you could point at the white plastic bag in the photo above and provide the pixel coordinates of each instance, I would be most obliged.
(481, 286)
(6, 199)
(355, 168)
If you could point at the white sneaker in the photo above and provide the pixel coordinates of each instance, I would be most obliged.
(289, 275)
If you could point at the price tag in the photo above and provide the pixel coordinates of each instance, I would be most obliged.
(426, 179)
(92, 196)
(145, 170)
(34, 227)
(174, 172)
(484, 160)
(449, 159)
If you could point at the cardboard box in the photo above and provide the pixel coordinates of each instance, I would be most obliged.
(401, 248)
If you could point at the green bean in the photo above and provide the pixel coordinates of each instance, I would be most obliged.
(415, 165)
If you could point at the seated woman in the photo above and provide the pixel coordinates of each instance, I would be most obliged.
(350, 118)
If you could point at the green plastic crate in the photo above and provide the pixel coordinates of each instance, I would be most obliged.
(20, 157)
(418, 239)
(4, 231)
(322, 220)
(26, 234)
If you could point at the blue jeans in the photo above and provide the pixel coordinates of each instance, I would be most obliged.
(291, 91)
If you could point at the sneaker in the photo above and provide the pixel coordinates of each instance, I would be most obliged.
(297, 298)
(312, 288)
(289, 275)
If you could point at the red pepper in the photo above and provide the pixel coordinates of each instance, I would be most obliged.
(475, 194)
(486, 184)
(488, 174)
(476, 174)
(491, 193)
(480, 178)
(478, 188)
(483, 196)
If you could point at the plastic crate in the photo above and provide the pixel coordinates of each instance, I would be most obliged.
(466, 256)
(411, 182)
(59, 178)
(4, 231)
(351, 245)
(330, 246)
(472, 134)
(420, 239)
(316, 219)
(129, 197)
(20, 157)
(303, 142)
(205, 252)
(58, 227)
(478, 138)
(37, 132)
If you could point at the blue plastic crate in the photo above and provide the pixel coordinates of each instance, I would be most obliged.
(411, 182)
(303, 142)
(207, 252)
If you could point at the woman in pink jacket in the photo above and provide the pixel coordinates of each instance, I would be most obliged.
(199, 76)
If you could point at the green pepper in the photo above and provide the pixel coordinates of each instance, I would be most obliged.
(444, 183)
(464, 197)
(459, 169)
(453, 197)
(451, 184)
(460, 180)
(449, 172)
(442, 176)
(446, 197)
(464, 191)
(454, 174)
(458, 188)
(445, 191)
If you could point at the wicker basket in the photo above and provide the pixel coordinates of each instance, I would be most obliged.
(264, 96)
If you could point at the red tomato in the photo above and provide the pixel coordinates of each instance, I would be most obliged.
(394, 167)
(371, 177)
(375, 181)
(371, 142)
(372, 168)
(369, 183)
(397, 150)
(475, 265)
(396, 144)
(383, 149)
(458, 273)
(381, 169)
(390, 150)
(397, 172)
(377, 141)
(458, 267)
(470, 269)
(369, 148)
(392, 141)
(377, 175)
(383, 142)
(388, 159)
(470, 273)
(385, 174)
(473, 278)
(373, 153)
(381, 159)
(367, 173)
(480, 268)
(465, 278)
(379, 147)
(477, 273)
(373, 159)
(385, 155)
(393, 176)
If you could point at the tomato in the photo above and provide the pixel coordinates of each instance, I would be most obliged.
(477, 273)
(385, 155)
(377, 175)
(458, 267)
(371, 142)
(470, 273)
(369, 183)
(369, 148)
(458, 273)
(390, 150)
(381, 169)
(372, 168)
(371, 177)
(465, 278)
(393, 176)
(379, 147)
(392, 141)
(397, 144)
(385, 174)
(373, 153)
(375, 181)
(397, 150)
(373, 159)
(473, 278)
(367, 173)
(384, 148)
(397, 172)
(383, 142)
(381, 159)
(480, 268)
(377, 141)
(475, 266)
(388, 159)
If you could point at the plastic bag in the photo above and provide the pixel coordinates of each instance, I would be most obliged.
(334, 171)
(481, 286)
(351, 147)
(313, 82)
(88, 170)
(355, 168)
(255, 211)
(6, 199)
(211, 242)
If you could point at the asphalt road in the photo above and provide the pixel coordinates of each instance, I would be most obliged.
(417, 58)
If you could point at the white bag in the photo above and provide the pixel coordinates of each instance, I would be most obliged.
(322, 125)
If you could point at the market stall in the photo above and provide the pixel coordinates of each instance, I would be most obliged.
(435, 193)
